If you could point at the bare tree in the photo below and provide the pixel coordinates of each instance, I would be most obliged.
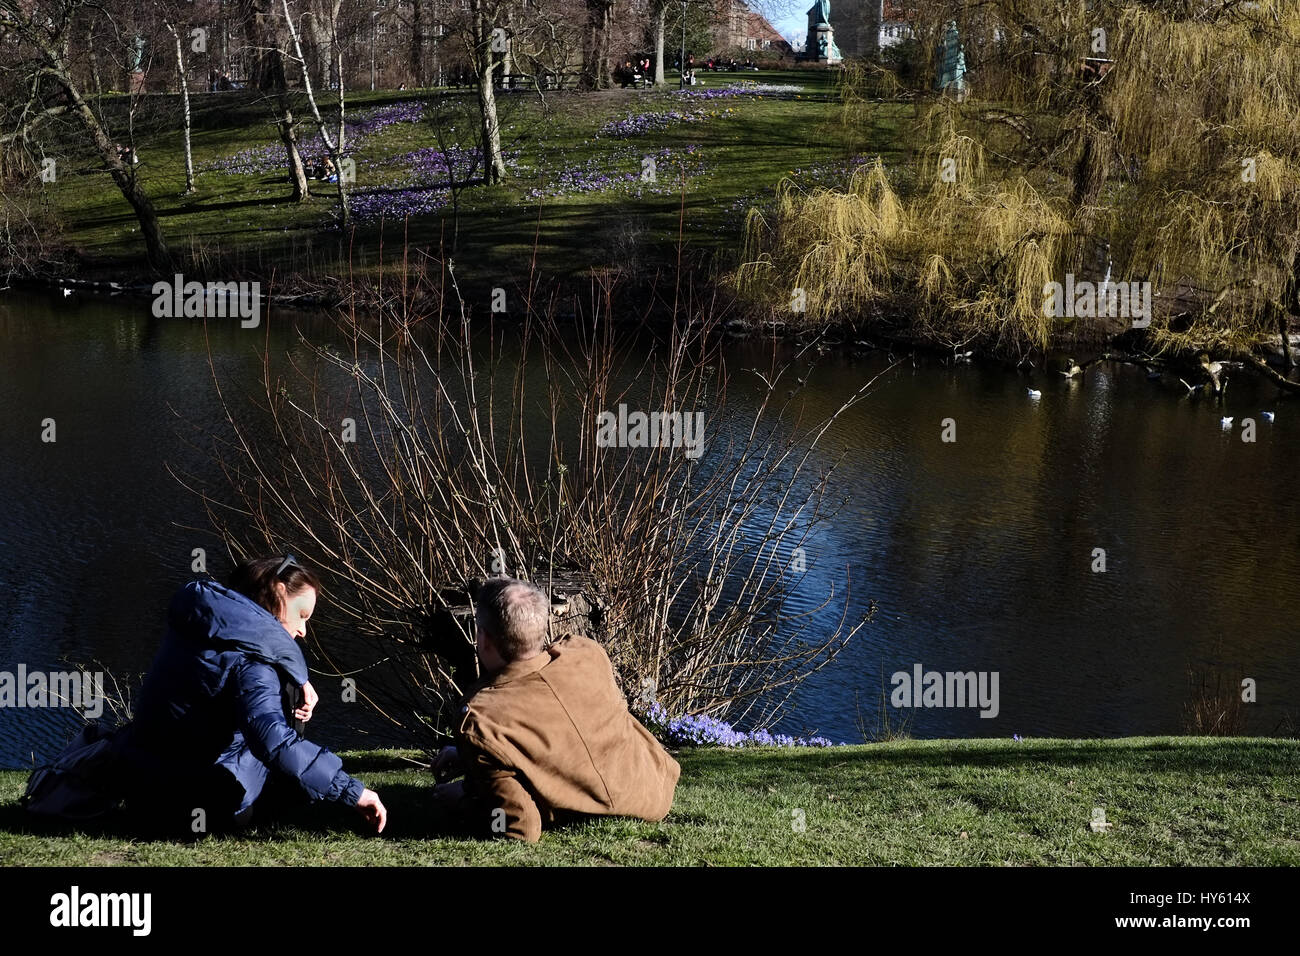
(44, 30)
(169, 19)
(270, 39)
(488, 41)
(485, 39)
(658, 23)
(596, 71)
(333, 144)
(323, 17)
(419, 30)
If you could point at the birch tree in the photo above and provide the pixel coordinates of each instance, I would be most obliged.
(169, 20)
(333, 143)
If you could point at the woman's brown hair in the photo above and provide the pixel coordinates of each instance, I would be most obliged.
(256, 579)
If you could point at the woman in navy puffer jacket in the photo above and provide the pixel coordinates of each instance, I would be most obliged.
(210, 727)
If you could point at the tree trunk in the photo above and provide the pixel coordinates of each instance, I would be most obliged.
(94, 56)
(321, 40)
(159, 256)
(494, 167)
(1290, 306)
(596, 74)
(661, 16)
(297, 172)
(185, 106)
(1090, 172)
(345, 208)
(262, 33)
(418, 78)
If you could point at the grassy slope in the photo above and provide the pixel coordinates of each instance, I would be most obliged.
(1172, 801)
(245, 217)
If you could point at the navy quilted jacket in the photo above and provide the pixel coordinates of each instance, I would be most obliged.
(215, 687)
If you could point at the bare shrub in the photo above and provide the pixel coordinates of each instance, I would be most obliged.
(476, 454)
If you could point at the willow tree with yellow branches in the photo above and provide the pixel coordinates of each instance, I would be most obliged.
(1114, 141)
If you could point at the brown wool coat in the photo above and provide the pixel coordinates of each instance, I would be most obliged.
(552, 736)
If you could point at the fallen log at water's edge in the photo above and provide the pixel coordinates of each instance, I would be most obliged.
(447, 626)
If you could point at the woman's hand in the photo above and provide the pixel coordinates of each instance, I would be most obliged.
(309, 701)
(370, 807)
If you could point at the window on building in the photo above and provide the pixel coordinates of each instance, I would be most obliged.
(753, 44)
(767, 44)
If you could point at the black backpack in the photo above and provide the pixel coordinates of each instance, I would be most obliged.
(81, 782)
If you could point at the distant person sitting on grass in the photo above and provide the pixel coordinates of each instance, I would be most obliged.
(546, 735)
(210, 731)
(325, 171)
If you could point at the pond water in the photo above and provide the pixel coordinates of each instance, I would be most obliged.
(981, 554)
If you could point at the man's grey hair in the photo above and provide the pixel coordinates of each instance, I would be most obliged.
(515, 615)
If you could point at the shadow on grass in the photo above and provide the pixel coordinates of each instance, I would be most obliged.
(413, 814)
(201, 207)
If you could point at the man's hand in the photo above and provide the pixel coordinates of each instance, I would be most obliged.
(450, 793)
(447, 764)
(309, 701)
(370, 807)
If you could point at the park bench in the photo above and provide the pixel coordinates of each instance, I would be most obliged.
(543, 81)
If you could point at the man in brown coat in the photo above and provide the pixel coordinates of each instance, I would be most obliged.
(546, 735)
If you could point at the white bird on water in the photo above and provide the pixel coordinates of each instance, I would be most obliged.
(1226, 421)
(1034, 393)
(1267, 416)
(66, 291)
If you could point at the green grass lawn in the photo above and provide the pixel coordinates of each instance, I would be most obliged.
(715, 169)
(1170, 801)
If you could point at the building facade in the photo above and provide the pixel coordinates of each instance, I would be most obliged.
(740, 28)
(865, 27)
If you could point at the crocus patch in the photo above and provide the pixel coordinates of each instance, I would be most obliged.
(639, 124)
(358, 127)
(743, 88)
(705, 731)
